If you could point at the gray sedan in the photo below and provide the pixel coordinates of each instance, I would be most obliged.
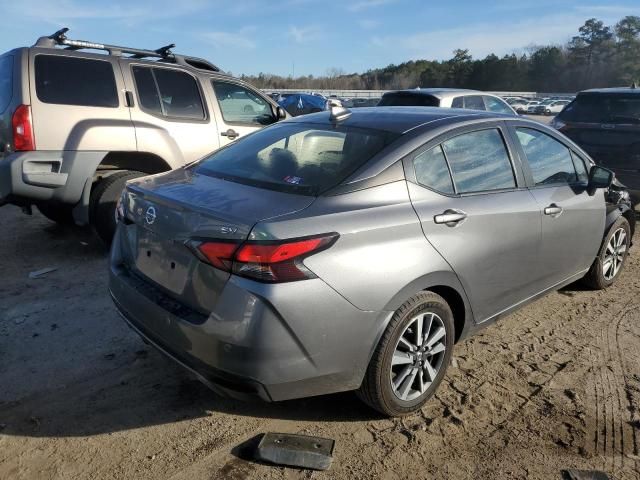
(351, 250)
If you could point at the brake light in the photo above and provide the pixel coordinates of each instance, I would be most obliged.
(23, 140)
(272, 262)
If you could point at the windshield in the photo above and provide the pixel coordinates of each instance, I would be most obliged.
(406, 99)
(604, 108)
(296, 157)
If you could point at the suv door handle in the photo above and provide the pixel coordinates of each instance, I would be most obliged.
(230, 134)
(450, 217)
(553, 210)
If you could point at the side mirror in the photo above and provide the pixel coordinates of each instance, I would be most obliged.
(600, 177)
(281, 113)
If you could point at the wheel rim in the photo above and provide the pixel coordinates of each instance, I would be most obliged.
(418, 356)
(615, 253)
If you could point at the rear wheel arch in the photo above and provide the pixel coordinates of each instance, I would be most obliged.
(136, 161)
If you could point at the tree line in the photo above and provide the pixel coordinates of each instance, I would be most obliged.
(598, 56)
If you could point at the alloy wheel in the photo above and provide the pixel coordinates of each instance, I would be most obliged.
(418, 356)
(614, 254)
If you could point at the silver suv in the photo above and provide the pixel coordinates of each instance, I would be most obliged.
(75, 126)
(342, 251)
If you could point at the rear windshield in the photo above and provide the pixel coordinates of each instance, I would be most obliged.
(6, 81)
(296, 157)
(406, 99)
(604, 108)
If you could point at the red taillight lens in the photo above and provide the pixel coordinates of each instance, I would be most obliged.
(266, 261)
(23, 140)
(218, 254)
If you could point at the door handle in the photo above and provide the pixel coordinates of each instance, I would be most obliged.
(450, 217)
(553, 210)
(230, 134)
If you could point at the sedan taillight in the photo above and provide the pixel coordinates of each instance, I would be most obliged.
(265, 261)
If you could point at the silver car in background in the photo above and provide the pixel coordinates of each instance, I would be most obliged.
(351, 250)
(446, 98)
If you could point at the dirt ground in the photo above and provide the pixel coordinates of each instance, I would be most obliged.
(554, 386)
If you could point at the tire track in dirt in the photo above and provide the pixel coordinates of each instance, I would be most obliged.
(613, 437)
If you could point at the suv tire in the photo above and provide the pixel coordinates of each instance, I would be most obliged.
(102, 203)
(615, 248)
(396, 370)
(59, 213)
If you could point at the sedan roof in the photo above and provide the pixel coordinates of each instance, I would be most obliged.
(400, 119)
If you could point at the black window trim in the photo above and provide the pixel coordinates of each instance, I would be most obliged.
(105, 60)
(239, 84)
(525, 161)
(169, 118)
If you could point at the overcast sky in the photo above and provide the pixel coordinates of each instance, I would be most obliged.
(312, 36)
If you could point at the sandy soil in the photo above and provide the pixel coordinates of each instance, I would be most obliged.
(556, 385)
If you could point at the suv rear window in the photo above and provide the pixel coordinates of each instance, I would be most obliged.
(170, 93)
(6, 82)
(296, 157)
(604, 108)
(75, 81)
(407, 99)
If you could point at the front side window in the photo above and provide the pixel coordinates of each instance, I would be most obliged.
(170, 93)
(432, 171)
(295, 157)
(496, 105)
(581, 168)
(241, 105)
(6, 82)
(549, 160)
(479, 162)
(474, 102)
(75, 81)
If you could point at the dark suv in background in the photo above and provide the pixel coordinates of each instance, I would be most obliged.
(606, 124)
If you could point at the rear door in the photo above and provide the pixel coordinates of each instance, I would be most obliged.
(476, 211)
(78, 103)
(170, 113)
(572, 219)
(239, 110)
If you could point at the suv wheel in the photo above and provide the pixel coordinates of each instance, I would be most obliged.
(411, 358)
(610, 260)
(102, 203)
(58, 213)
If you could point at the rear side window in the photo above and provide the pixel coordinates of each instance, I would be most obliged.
(496, 105)
(549, 160)
(75, 81)
(457, 102)
(241, 105)
(479, 162)
(407, 99)
(6, 81)
(170, 93)
(296, 157)
(474, 102)
(603, 108)
(432, 171)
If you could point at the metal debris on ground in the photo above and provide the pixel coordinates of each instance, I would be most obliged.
(42, 272)
(296, 450)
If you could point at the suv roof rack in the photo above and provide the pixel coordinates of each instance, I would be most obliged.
(163, 54)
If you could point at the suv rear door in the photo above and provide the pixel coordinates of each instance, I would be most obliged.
(607, 126)
(239, 109)
(78, 102)
(573, 221)
(493, 236)
(170, 113)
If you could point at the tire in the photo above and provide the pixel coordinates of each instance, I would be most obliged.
(611, 258)
(102, 203)
(59, 213)
(377, 389)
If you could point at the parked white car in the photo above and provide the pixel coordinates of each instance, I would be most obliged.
(556, 107)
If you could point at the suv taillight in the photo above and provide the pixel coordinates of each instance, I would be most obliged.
(23, 140)
(265, 261)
